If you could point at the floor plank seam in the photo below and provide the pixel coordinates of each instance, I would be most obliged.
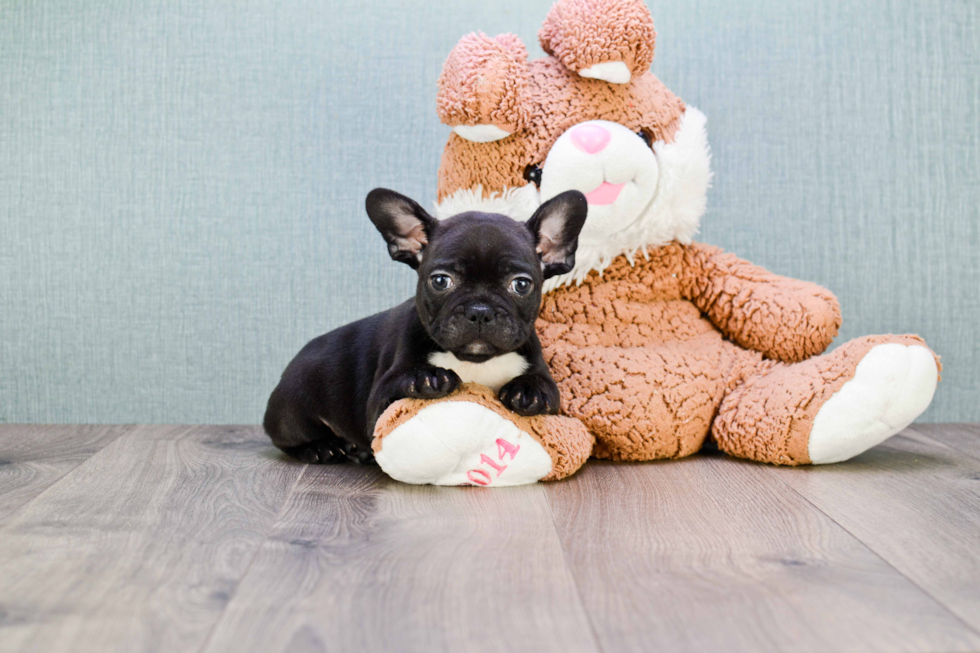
(258, 550)
(571, 572)
(128, 430)
(925, 591)
(940, 443)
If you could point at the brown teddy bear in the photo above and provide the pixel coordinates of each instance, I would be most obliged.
(657, 343)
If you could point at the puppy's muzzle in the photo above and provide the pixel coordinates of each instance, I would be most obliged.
(478, 329)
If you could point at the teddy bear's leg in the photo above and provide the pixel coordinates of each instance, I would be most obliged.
(469, 438)
(646, 403)
(828, 408)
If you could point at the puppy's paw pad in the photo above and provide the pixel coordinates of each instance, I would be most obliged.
(430, 383)
(358, 454)
(318, 453)
(892, 385)
(462, 443)
(528, 397)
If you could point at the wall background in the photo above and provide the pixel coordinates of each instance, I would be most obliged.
(181, 183)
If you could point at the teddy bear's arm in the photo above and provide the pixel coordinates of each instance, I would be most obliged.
(784, 319)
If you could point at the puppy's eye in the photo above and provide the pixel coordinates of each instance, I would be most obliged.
(532, 173)
(521, 285)
(647, 138)
(440, 281)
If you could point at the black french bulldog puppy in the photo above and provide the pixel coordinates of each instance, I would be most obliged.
(472, 319)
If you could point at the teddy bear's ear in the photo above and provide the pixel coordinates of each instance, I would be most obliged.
(482, 86)
(610, 40)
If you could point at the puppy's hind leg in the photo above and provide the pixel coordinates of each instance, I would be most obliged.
(323, 451)
(309, 440)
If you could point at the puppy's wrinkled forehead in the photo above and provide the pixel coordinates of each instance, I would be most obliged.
(487, 242)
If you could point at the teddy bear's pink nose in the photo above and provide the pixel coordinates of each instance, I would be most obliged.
(590, 138)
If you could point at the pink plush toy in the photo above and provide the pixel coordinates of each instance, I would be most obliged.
(657, 343)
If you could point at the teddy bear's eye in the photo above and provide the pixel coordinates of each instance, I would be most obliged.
(532, 173)
(647, 138)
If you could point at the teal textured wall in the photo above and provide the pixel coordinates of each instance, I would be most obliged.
(181, 183)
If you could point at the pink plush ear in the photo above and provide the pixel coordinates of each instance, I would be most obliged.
(610, 40)
(481, 89)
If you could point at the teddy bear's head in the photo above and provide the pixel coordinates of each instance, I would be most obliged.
(589, 117)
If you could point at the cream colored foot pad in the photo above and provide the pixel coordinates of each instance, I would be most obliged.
(462, 443)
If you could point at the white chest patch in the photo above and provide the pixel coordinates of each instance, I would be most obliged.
(493, 373)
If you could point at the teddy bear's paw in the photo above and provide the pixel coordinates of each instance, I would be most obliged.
(462, 443)
(892, 385)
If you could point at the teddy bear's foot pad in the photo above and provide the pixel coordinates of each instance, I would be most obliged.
(462, 443)
(892, 385)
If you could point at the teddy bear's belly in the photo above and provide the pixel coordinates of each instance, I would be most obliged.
(630, 324)
(654, 395)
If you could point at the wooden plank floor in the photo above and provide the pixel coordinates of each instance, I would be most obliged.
(156, 538)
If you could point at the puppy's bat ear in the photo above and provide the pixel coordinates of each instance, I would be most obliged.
(405, 225)
(555, 227)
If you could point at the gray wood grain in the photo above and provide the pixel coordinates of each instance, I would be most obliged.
(964, 438)
(32, 458)
(362, 563)
(206, 539)
(915, 504)
(141, 546)
(713, 553)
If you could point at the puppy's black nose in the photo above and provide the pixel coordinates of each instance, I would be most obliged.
(479, 314)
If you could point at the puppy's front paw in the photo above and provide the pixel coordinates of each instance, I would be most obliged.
(429, 383)
(530, 395)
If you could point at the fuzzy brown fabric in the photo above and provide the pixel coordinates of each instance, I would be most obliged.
(483, 82)
(651, 357)
(769, 416)
(582, 34)
(555, 99)
(688, 343)
(540, 100)
(566, 440)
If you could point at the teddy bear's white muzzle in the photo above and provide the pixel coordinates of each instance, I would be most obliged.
(613, 166)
